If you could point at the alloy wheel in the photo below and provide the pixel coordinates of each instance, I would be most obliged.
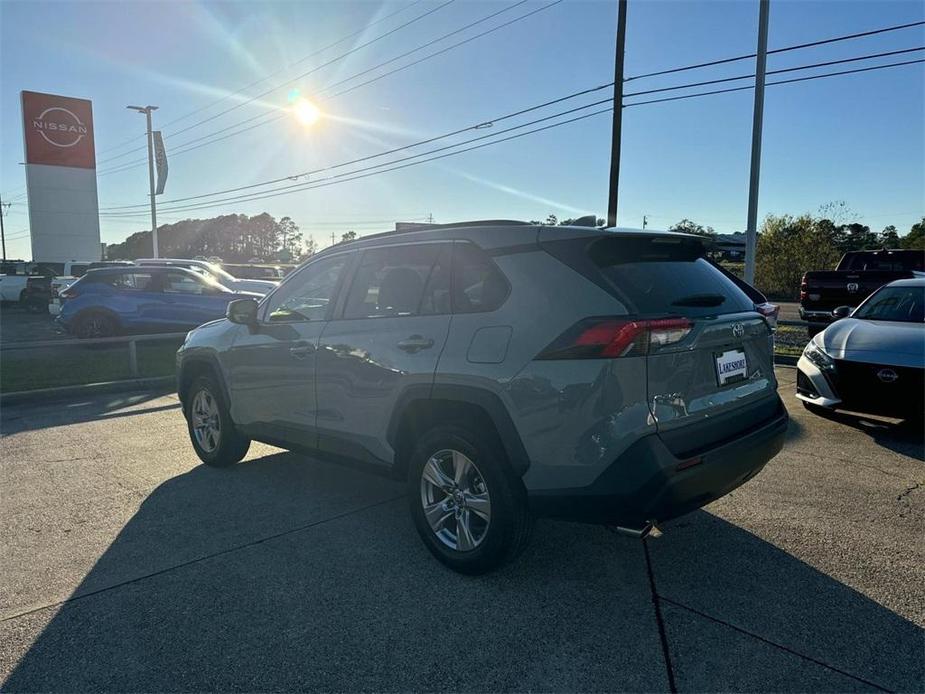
(207, 426)
(455, 498)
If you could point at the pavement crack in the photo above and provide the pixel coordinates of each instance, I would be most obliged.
(774, 644)
(205, 557)
(908, 491)
(663, 637)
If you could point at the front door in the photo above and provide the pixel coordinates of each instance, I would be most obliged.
(395, 319)
(272, 367)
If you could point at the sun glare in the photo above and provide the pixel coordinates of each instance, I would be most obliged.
(306, 112)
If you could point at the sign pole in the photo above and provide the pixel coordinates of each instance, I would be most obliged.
(616, 135)
(2, 233)
(147, 110)
(751, 230)
(151, 181)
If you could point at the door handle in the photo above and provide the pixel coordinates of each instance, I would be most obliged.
(301, 350)
(415, 343)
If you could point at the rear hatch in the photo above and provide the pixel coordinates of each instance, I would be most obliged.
(710, 374)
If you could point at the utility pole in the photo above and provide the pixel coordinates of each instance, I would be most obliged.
(147, 110)
(645, 221)
(2, 232)
(617, 128)
(332, 238)
(751, 230)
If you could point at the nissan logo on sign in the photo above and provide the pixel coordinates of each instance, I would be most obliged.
(59, 127)
(58, 130)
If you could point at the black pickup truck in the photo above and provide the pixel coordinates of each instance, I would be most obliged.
(857, 275)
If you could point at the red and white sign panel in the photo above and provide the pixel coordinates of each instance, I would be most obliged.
(58, 130)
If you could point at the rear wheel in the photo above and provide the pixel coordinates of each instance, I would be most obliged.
(469, 509)
(91, 325)
(212, 433)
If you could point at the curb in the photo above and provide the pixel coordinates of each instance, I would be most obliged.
(785, 360)
(165, 383)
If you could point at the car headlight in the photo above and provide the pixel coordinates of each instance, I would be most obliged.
(817, 356)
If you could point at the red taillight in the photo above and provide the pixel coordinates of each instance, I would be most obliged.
(610, 338)
(770, 312)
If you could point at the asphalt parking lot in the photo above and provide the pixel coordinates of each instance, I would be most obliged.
(129, 566)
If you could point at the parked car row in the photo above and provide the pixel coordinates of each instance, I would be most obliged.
(143, 298)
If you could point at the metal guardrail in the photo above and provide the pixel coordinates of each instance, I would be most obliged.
(130, 340)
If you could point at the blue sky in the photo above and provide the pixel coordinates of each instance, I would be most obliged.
(858, 138)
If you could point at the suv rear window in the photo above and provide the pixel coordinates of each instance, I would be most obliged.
(656, 275)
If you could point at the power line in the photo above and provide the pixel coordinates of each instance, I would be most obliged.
(355, 175)
(484, 124)
(395, 161)
(265, 119)
(477, 126)
(349, 176)
(795, 47)
(298, 77)
(776, 72)
(796, 79)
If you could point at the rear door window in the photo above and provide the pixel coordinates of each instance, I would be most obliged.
(133, 281)
(661, 275)
(478, 285)
(391, 282)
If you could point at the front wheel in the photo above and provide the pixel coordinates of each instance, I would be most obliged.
(469, 509)
(211, 431)
(93, 325)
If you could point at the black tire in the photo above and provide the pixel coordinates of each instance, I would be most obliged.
(229, 446)
(94, 324)
(510, 526)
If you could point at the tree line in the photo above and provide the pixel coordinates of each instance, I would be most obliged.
(234, 238)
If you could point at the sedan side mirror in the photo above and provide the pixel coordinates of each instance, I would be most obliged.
(242, 312)
(842, 312)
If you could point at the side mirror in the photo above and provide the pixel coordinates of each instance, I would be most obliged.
(842, 312)
(242, 312)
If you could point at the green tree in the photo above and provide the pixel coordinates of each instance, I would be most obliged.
(915, 239)
(789, 247)
(889, 237)
(687, 226)
(290, 239)
(347, 236)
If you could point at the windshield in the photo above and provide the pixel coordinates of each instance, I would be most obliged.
(904, 304)
(224, 275)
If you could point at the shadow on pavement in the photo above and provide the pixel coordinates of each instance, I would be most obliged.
(746, 596)
(907, 437)
(288, 574)
(35, 416)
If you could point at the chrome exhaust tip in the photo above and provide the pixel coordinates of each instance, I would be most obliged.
(638, 533)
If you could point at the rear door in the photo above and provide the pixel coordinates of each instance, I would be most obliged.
(190, 301)
(392, 328)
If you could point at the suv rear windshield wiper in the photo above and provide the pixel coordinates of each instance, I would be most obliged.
(700, 300)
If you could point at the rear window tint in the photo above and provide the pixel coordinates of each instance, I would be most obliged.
(664, 275)
(895, 261)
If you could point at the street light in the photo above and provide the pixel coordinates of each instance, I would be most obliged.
(147, 111)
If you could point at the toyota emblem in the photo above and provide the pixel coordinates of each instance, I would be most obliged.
(853, 287)
(887, 375)
(738, 330)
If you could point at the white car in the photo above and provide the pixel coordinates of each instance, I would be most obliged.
(215, 272)
(872, 359)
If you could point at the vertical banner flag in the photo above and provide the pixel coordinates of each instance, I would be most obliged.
(160, 160)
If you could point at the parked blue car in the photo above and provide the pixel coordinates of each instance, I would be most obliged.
(142, 300)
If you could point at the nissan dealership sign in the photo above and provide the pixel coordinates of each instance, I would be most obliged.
(61, 177)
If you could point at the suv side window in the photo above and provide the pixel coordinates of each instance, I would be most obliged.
(478, 284)
(181, 283)
(136, 281)
(306, 296)
(391, 281)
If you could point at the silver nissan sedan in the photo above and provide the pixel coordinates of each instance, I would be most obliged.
(872, 359)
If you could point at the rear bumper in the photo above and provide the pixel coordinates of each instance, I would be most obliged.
(645, 483)
(811, 316)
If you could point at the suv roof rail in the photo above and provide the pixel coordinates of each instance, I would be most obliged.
(440, 227)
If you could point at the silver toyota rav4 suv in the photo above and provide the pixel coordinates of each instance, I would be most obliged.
(506, 371)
